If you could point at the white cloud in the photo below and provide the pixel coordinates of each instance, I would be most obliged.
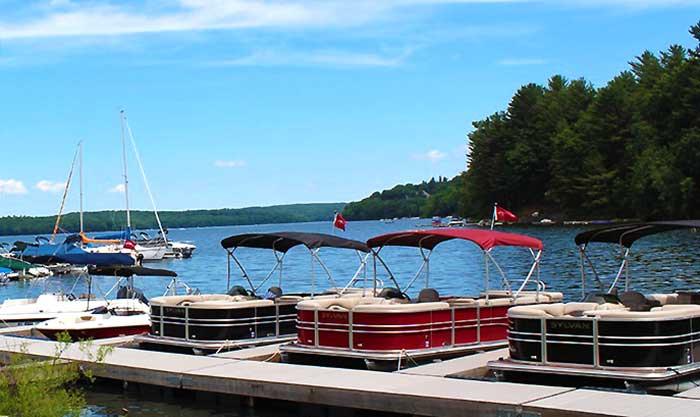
(229, 164)
(514, 62)
(432, 156)
(50, 186)
(66, 18)
(317, 58)
(12, 186)
(119, 188)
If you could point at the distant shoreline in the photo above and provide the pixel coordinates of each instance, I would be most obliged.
(111, 220)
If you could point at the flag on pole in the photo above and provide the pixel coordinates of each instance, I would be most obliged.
(501, 214)
(339, 221)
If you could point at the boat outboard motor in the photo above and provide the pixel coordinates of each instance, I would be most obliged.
(126, 292)
(428, 295)
(273, 293)
(391, 292)
(237, 290)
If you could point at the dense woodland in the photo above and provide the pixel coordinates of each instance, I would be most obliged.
(435, 197)
(630, 149)
(116, 220)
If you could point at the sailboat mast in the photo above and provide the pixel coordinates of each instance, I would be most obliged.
(145, 181)
(65, 194)
(126, 177)
(81, 187)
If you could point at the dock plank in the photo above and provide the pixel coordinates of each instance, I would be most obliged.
(259, 353)
(468, 366)
(415, 394)
(584, 402)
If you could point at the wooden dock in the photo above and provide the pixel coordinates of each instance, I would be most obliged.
(421, 392)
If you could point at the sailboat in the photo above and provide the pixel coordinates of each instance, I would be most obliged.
(149, 249)
(74, 249)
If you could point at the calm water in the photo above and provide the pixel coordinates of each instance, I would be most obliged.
(659, 263)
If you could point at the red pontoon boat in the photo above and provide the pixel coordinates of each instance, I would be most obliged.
(391, 332)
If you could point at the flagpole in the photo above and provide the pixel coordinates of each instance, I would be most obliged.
(493, 216)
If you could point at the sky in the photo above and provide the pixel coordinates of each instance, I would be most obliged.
(237, 103)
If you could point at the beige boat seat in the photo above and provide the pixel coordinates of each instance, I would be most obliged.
(664, 299)
(668, 311)
(210, 301)
(562, 309)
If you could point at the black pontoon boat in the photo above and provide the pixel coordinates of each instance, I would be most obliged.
(240, 318)
(621, 339)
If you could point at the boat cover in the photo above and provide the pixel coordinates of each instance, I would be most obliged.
(70, 251)
(127, 271)
(283, 241)
(428, 239)
(627, 234)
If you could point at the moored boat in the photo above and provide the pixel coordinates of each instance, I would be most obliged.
(123, 316)
(244, 317)
(611, 338)
(392, 332)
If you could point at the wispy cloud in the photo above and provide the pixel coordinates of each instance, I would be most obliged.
(229, 164)
(119, 188)
(50, 186)
(433, 155)
(12, 186)
(517, 62)
(331, 58)
(61, 18)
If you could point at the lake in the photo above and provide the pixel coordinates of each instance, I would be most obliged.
(658, 263)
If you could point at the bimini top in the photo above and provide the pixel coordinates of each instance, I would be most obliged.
(283, 241)
(485, 239)
(627, 234)
(127, 271)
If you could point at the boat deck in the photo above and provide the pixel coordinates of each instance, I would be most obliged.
(425, 392)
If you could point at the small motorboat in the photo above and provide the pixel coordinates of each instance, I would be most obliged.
(620, 339)
(245, 317)
(390, 331)
(49, 305)
(123, 316)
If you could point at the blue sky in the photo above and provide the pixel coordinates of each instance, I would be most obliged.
(258, 102)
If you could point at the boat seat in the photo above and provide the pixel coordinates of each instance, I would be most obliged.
(428, 295)
(670, 311)
(664, 299)
(401, 308)
(562, 310)
(461, 301)
(636, 301)
(495, 302)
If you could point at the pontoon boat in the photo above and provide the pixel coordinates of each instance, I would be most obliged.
(619, 339)
(391, 332)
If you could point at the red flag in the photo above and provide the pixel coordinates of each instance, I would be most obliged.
(339, 221)
(505, 215)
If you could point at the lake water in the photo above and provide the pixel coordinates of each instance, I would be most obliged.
(658, 263)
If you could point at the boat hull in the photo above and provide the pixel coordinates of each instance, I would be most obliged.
(96, 333)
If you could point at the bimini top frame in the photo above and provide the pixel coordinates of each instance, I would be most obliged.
(486, 240)
(624, 235)
(281, 242)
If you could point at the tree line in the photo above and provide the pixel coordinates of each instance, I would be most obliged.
(439, 197)
(116, 220)
(628, 149)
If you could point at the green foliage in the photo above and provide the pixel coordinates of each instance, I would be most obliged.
(435, 197)
(116, 220)
(45, 388)
(628, 149)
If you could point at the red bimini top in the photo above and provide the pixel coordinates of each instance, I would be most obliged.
(428, 239)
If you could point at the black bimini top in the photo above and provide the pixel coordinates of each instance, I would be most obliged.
(627, 234)
(127, 271)
(283, 241)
